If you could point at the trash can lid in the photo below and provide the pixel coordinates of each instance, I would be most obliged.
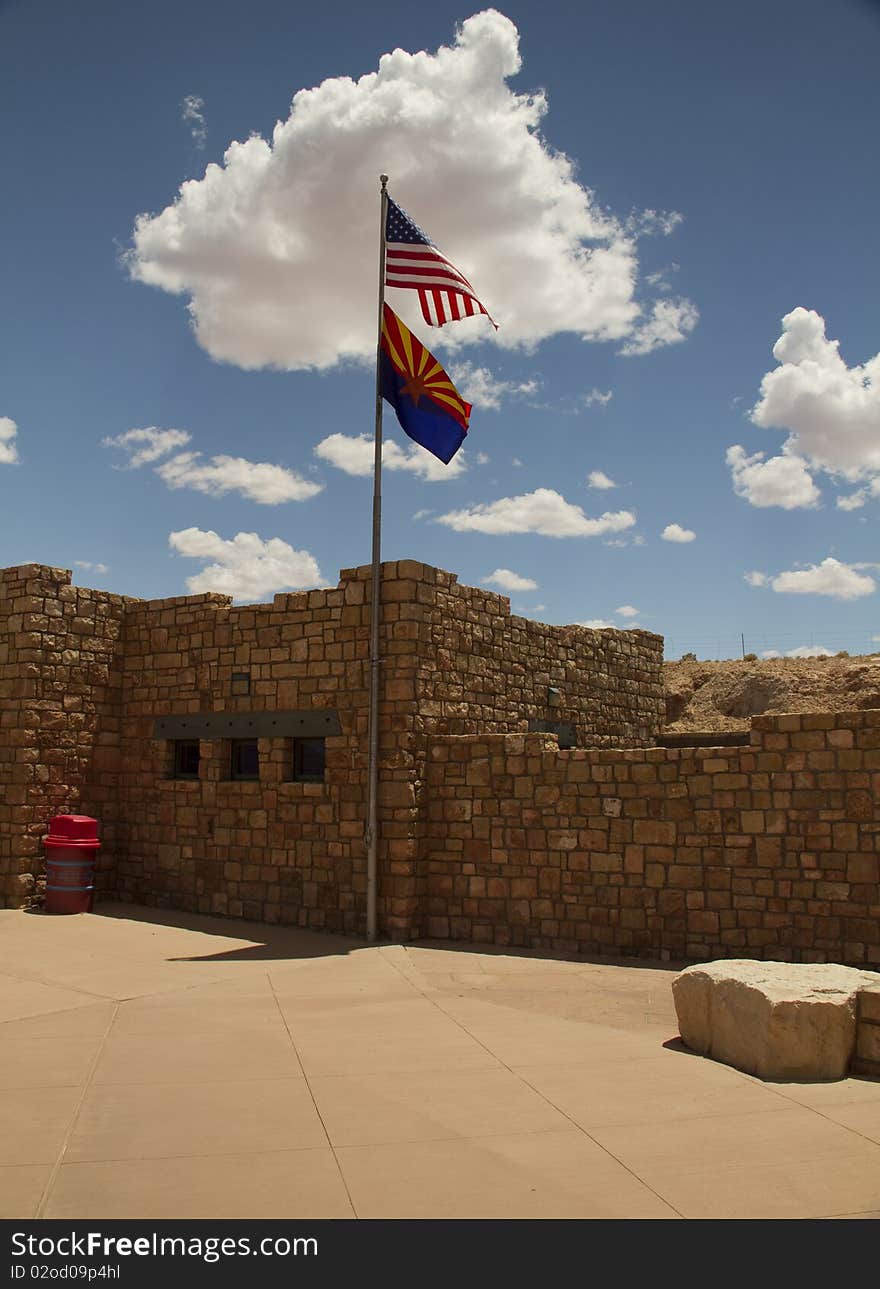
(72, 830)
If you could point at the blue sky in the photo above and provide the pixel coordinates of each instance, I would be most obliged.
(647, 197)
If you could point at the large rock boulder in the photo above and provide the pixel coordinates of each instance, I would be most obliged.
(778, 1020)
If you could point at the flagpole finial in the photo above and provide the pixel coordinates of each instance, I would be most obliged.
(384, 180)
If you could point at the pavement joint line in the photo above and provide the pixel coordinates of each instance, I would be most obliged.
(557, 1108)
(71, 1127)
(284, 1022)
(51, 984)
(822, 1115)
(57, 1011)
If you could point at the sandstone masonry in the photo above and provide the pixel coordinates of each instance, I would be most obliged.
(489, 831)
(84, 675)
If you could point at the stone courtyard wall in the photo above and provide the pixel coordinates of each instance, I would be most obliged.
(85, 674)
(273, 850)
(766, 851)
(59, 693)
(487, 672)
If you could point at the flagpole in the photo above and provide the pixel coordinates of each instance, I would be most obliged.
(371, 831)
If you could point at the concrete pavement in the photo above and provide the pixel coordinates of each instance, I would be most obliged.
(164, 1065)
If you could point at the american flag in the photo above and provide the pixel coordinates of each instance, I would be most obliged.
(413, 262)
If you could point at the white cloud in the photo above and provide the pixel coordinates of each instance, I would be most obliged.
(191, 112)
(638, 540)
(354, 453)
(831, 577)
(661, 279)
(857, 499)
(809, 651)
(269, 485)
(245, 567)
(268, 246)
(598, 624)
(770, 653)
(675, 533)
(652, 223)
(257, 480)
(481, 387)
(89, 567)
(509, 581)
(627, 611)
(832, 411)
(755, 578)
(542, 511)
(596, 479)
(782, 481)
(8, 449)
(668, 322)
(482, 458)
(598, 398)
(156, 443)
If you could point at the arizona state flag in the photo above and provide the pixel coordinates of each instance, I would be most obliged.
(428, 406)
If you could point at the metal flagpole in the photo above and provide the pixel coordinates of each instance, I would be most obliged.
(371, 831)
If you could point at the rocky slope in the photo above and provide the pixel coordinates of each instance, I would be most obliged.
(723, 696)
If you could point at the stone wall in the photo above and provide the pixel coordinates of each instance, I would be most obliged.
(767, 851)
(272, 849)
(486, 672)
(59, 694)
(85, 674)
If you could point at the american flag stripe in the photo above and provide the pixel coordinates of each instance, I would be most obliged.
(413, 262)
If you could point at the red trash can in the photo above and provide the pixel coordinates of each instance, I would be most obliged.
(70, 863)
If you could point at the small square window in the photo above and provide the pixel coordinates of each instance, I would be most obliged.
(245, 759)
(308, 760)
(241, 683)
(186, 759)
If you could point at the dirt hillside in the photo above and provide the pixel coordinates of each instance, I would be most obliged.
(722, 696)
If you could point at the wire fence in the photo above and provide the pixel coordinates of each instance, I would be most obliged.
(797, 644)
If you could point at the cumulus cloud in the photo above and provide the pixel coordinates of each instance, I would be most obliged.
(192, 114)
(675, 533)
(89, 567)
(782, 481)
(353, 453)
(832, 415)
(510, 581)
(832, 411)
(855, 500)
(831, 577)
(668, 322)
(269, 485)
(597, 624)
(809, 651)
(755, 578)
(542, 511)
(245, 567)
(146, 445)
(802, 651)
(481, 387)
(268, 247)
(8, 448)
(596, 479)
(259, 481)
(598, 397)
(627, 611)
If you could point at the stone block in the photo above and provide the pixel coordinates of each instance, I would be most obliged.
(772, 1019)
